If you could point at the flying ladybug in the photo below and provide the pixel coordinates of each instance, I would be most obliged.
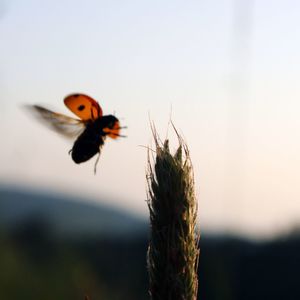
(90, 130)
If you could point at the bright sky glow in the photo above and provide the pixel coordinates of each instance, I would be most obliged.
(228, 71)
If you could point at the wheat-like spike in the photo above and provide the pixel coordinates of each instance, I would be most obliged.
(173, 248)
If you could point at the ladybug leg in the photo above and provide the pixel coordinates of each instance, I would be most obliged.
(97, 160)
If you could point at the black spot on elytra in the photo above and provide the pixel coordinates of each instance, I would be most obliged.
(81, 107)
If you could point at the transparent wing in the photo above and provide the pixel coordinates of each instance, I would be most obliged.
(62, 124)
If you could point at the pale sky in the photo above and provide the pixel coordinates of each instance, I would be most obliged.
(227, 71)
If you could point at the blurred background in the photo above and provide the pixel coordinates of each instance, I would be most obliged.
(226, 73)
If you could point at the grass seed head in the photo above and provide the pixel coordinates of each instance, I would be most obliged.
(173, 248)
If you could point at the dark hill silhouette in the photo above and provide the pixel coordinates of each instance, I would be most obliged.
(108, 261)
(65, 215)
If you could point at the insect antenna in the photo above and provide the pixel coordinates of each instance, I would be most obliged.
(96, 162)
(116, 134)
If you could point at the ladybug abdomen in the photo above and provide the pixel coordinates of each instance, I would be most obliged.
(86, 146)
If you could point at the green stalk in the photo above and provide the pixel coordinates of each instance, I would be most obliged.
(173, 248)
